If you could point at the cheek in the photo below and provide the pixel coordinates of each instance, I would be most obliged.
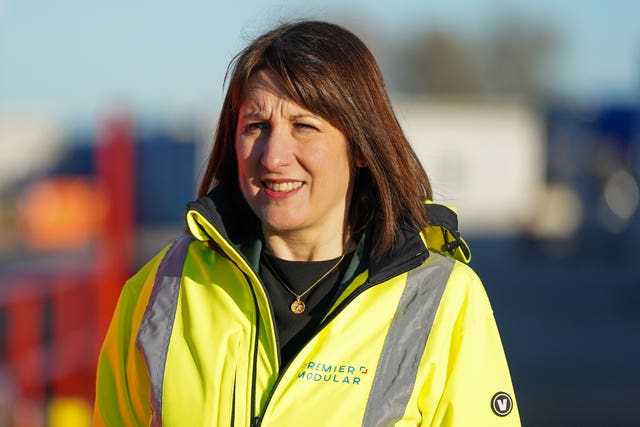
(244, 175)
(243, 151)
(243, 168)
(244, 182)
(339, 164)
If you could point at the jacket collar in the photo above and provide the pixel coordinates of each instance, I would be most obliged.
(408, 251)
(225, 210)
(228, 213)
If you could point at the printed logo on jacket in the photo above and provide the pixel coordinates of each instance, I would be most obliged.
(335, 373)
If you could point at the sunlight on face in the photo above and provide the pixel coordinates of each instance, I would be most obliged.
(293, 166)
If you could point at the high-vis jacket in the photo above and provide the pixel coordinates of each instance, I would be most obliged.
(411, 341)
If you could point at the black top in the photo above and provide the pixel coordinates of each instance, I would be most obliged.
(294, 330)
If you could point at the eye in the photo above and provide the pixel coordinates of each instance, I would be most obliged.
(305, 126)
(253, 127)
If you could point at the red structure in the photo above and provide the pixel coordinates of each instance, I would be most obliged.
(114, 165)
(55, 309)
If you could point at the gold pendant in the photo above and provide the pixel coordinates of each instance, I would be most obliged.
(297, 307)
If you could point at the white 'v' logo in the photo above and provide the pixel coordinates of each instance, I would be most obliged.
(501, 404)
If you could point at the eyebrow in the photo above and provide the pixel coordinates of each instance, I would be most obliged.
(304, 116)
(252, 115)
(258, 114)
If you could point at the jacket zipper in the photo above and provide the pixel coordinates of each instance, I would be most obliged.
(254, 420)
(233, 403)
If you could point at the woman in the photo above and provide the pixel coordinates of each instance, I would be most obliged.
(316, 287)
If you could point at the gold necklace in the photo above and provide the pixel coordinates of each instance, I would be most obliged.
(298, 306)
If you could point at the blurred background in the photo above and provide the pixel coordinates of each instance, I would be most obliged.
(525, 113)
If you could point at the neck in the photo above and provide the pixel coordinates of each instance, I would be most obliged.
(296, 248)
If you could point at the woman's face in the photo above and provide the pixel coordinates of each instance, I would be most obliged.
(294, 169)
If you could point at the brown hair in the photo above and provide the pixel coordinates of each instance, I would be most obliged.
(330, 72)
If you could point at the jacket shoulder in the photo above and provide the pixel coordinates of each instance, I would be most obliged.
(167, 261)
(442, 235)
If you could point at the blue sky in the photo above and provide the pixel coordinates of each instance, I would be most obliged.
(71, 59)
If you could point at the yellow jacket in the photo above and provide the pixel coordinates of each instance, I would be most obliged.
(410, 341)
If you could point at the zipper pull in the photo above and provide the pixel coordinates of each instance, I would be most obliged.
(255, 422)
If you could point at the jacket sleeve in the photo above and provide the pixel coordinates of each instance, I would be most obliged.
(122, 382)
(470, 371)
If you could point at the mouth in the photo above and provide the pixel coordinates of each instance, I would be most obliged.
(281, 189)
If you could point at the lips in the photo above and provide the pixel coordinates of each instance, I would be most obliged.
(283, 186)
(281, 189)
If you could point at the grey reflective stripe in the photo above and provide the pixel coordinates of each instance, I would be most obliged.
(157, 322)
(405, 342)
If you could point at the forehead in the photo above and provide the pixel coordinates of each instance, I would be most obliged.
(264, 95)
(264, 84)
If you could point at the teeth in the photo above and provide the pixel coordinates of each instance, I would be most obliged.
(283, 186)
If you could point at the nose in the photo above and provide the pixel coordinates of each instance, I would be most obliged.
(276, 149)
